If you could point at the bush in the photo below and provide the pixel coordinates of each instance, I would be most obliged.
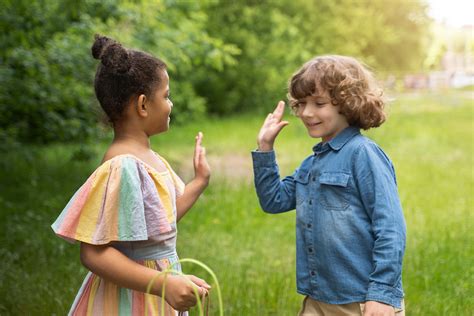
(46, 85)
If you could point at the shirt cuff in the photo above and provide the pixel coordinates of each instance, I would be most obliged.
(385, 294)
(263, 158)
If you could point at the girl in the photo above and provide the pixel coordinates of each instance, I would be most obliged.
(350, 230)
(125, 214)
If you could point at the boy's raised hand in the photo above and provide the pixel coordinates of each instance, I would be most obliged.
(271, 128)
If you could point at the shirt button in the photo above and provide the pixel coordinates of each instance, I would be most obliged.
(313, 179)
(309, 225)
(310, 202)
(310, 249)
(313, 273)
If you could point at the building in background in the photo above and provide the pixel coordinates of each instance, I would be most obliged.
(449, 61)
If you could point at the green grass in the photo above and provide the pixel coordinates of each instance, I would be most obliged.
(428, 137)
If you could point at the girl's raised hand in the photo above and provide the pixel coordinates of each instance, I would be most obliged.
(202, 171)
(271, 128)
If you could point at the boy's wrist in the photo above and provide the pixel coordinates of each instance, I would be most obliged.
(264, 146)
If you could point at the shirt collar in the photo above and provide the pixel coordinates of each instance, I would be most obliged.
(339, 141)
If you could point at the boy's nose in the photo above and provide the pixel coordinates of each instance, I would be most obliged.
(307, 111)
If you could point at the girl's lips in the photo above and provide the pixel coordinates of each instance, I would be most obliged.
(313, 124)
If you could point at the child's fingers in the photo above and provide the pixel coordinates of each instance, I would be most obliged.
(283, 123)
(197, 148)
(280, 126)
(196, 155)
(205, 293)
(269, 121)
(268, 118)
(198, 139)
(280, 108)
(198, 281)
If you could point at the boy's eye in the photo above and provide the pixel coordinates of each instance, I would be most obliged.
(296, 106)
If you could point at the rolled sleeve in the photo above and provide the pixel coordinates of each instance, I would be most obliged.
(385, 294)
(263, 159)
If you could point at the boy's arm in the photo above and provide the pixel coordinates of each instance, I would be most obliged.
(202, 174)
(275, 196)
(375, 178)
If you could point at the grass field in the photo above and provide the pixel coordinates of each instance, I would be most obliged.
(428, 137)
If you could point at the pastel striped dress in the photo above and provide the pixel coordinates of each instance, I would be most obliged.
(131, 206)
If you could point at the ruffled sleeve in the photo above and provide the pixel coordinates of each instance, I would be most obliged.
(178, 183)
(118, 202)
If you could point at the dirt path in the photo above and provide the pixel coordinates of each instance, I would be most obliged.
(228, 166)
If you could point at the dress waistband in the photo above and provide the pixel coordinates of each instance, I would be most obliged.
(153, 251)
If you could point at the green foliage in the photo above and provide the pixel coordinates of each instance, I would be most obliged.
(276, 37)
(223, 56)
(270, 44)
(47, 70)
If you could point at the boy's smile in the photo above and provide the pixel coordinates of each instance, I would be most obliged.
(312, 124)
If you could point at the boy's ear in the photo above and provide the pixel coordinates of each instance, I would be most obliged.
(141, 106)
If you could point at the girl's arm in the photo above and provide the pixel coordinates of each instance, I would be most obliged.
(110, 264)
(202, 174)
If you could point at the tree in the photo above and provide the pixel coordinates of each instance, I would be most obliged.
(277, 36)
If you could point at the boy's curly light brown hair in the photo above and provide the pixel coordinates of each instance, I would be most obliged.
(349, 84)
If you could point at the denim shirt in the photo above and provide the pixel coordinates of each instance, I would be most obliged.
(350, 229)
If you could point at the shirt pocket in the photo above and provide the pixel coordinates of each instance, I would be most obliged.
(334, 190)
(301, 179)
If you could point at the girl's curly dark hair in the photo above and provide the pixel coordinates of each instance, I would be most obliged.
(122, 74)
(349, 84)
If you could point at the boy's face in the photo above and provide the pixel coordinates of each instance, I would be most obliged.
(321, 117)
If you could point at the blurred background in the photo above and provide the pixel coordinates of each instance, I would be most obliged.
(225, 57)
(229, 63)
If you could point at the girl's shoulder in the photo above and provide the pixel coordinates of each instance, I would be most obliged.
(124, 161)
(123, 200)
(150, 159)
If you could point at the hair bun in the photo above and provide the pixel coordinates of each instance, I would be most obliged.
(112, 54)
